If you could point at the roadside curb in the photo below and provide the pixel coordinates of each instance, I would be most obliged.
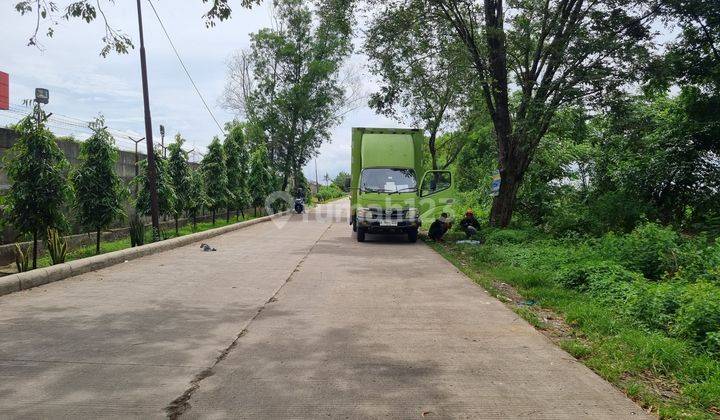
(40, 276)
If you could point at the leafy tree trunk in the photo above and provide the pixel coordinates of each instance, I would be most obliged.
(194, 221)
(177, 230)
(97, 241)
(227, 215)
(503, 204)
(237, 215)
(35, 236)
(213, 217)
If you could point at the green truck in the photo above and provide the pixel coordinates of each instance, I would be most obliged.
(390, 191)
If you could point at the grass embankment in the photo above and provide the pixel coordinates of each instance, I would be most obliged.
(117, 245)
(642, 310)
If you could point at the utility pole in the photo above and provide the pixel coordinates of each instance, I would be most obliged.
(317, 185)
(152, 175)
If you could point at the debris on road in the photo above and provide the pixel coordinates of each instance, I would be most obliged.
(469, 242)
(207, 248)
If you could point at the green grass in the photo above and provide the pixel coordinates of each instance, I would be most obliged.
(669, 374)
(124, 243)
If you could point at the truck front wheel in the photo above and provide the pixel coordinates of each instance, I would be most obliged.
(361, 234)
(412, 236)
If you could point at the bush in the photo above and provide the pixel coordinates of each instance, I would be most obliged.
(600, 277)
(650, 249)
(328, 192)
(655, 304)
(698, 317)
(507, 236)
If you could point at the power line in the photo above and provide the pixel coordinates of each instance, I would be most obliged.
(162, 25)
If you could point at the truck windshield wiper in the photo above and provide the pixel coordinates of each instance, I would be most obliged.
(398, 191)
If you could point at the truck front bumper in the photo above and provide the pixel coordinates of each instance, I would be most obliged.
(388, 225)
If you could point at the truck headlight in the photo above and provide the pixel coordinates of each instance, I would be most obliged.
(411, 213)
(364, 213)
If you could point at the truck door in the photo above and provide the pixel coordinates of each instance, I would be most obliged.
(437, 194)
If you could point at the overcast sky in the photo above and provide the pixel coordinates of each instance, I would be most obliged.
(83, 84)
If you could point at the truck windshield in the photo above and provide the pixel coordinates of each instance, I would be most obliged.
(388, 180)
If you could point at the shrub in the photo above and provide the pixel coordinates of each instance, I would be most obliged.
(698, 317)
(57, 248)
(600, 277)
(655, 304)
(507, 236)
(328, 192)
(650, 249)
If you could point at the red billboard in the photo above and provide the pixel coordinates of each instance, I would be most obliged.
(4, 90)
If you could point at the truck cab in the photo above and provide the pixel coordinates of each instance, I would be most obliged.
(390, 192)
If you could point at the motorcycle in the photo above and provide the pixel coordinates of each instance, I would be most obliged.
(299, 205)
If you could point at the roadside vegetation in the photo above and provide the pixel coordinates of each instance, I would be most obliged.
(642, 309)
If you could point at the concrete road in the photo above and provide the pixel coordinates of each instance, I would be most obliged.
(291, 319)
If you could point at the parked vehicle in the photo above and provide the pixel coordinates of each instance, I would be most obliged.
(385, 194)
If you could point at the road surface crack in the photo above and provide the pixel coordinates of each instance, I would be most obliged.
(182, 403)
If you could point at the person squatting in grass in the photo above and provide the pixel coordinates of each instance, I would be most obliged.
(439, 227)
(469, 224)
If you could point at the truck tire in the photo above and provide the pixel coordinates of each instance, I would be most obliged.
(412, 236)
(361, 235)
(354, 225)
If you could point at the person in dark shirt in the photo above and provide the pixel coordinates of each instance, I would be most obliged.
(439, 227)
(469, 224)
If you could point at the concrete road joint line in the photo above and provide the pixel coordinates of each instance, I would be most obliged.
(182, 403)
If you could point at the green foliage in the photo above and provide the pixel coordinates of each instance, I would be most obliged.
(179, 174)
(341, 179)
(237, 161)
(699, 313)
(165, 191)
(291, 85)
(650, 249)
(260, 182)
(36, 169)
(99, 192)
(197, 199)
(57, 248)
(329, 192)
(22, 258)
(137, 230)
(215, 175)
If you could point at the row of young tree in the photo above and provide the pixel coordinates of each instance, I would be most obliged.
(233, 176)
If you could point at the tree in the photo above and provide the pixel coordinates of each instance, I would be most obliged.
(99, 191)
(179, 172)
(327, 178)
(260, 180)
(215, 177)
(555, 53)
(236, 161)
(197, 199)
(424, 71)
(341, 179)
(165, 190)
(35, 168)
(290, 83)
